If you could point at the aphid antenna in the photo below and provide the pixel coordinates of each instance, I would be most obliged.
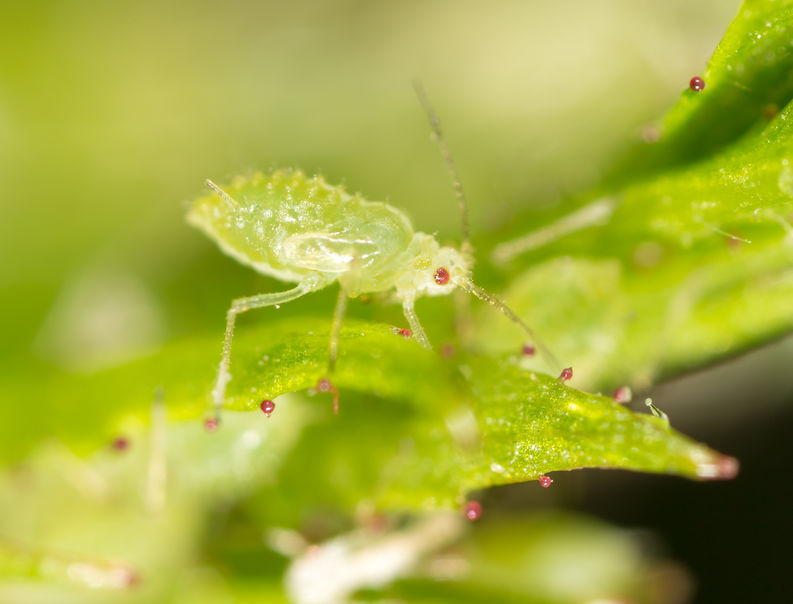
(230, 201)
(465, 228)
(485, 296)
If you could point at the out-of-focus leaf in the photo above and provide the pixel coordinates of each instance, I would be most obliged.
(545, 558)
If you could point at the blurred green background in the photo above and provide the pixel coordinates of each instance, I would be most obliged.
(113, 114)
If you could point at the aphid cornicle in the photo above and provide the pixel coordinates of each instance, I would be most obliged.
(302, 229)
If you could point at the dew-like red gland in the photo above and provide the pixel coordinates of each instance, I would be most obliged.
(405, 333)
(566, 374)
(545, 481)
(623, 395)
(211, 424)
(120, 443)
(734, 242)
(529, 350)
(697, 84)
(441, 276)
(267, 407)
(473, 510)
(448, 350)
(770, 111)
(325, 385)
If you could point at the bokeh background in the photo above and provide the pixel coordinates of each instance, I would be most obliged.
(113, 114)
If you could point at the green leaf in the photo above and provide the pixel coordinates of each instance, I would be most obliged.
(747, 80)
(692, 266)
(419, 435)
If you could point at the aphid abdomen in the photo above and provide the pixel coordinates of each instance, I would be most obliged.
(289, 226)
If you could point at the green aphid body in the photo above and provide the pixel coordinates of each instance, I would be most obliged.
(302, 229)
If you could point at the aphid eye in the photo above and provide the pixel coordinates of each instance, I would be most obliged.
(441, 275)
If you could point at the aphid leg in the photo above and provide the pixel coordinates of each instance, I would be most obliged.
(485, 296)
(335, 330)
(415, 325)
(238, 306)
(230, 201)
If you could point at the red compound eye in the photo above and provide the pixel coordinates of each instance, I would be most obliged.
(567, 373)
(405, 333)
(267, 407)
(473, 510)
(442, 276)
(528, 350)
(545, 481)
(697, 84)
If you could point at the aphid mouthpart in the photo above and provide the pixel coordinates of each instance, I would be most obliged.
(623, 395)
(528, 350)
(120, 443)
(566, 375)
(545, 481)
(325, 385)
(697, 84)
(211, 424)
(473, 510)
(267, 406)
(441, 275)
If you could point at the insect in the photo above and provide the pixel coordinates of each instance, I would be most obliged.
(304, 230)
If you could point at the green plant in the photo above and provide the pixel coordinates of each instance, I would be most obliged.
(693, 264)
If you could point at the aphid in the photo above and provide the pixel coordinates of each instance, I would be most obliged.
(473, 510)
(697, 84)
(303, 229)
(545, 481)
(267, 407)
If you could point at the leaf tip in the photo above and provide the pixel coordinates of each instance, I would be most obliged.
(721, 467)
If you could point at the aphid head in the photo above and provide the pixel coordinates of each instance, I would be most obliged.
(432, 270)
